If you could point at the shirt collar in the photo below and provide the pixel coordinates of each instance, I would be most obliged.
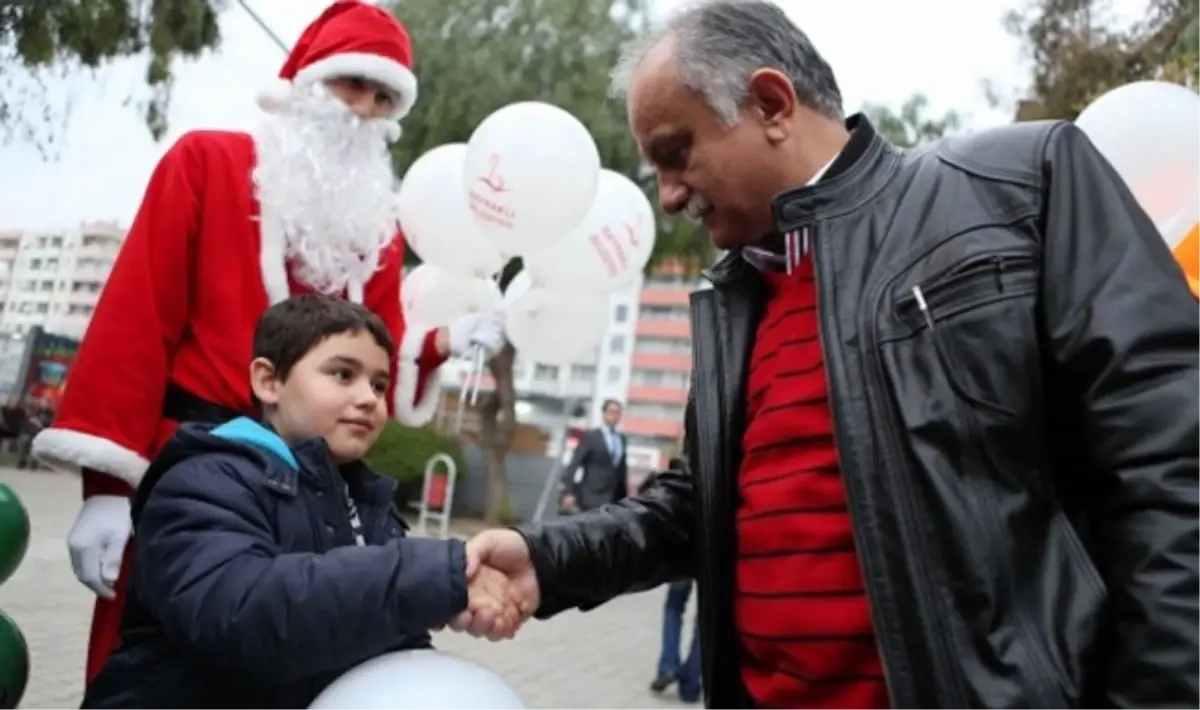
(765, 259)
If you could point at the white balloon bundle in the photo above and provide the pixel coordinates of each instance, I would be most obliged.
(528, 183)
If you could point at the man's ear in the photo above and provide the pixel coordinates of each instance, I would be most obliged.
(263, 382)
(772, 96)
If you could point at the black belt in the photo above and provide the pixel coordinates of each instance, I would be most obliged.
(183, 406)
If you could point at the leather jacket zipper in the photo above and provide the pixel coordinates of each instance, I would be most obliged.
(941, 637)
(864, 552)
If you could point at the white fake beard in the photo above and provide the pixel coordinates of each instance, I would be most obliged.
(324, 179)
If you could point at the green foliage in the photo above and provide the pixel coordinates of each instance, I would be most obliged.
(40, 39)
(475, 56)
(1079, 52)
(911, 125)
(402, 452)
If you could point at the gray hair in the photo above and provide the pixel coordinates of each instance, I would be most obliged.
(720, 43)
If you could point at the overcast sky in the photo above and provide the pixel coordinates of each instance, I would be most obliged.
(881, 50)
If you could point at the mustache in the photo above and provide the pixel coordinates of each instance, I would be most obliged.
(697, 206)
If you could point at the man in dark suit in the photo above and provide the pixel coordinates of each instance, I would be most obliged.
(600, 460)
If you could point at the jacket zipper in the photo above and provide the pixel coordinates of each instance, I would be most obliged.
(862, 549)
(941, 636)
(709, 416)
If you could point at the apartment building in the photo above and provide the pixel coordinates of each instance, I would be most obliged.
(53, 278)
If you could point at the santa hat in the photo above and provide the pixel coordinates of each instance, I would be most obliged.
(351, 38)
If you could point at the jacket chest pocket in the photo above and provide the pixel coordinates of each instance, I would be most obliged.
(971, 330)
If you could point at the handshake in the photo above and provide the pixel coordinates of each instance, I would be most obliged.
(502, 586)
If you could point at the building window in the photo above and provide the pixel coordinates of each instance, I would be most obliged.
(583, 373)
(614, 375)
(663, 313)
(663, 346)
(616, 346)
(621, 313)
(545, 372)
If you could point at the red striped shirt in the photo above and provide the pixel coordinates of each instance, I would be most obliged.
(802, 613)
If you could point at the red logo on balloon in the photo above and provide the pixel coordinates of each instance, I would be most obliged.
(631, 230)
(494, 182)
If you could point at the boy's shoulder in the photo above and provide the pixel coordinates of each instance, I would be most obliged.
(242, 449)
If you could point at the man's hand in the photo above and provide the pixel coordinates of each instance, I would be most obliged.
(503, 553)
(484, 330)
(569, 503)
(492, 606)
(97, 542)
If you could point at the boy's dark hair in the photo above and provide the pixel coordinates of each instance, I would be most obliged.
(610, 402)
(291, 328)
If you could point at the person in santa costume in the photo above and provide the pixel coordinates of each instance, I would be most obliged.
(231, 223)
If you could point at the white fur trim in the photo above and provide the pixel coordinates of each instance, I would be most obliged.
(408, 411)
(275, 97)
(272, 258)
(72, 450)
(391, 74)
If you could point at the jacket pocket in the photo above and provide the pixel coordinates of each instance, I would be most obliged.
(973, 315)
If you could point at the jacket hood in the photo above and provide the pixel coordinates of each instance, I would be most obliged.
(243, 437)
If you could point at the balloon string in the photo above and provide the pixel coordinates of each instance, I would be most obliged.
(469, 391)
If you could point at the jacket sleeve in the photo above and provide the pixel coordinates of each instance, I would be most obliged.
(109, 430)
(414, 396)
(630, 546)
(207, 566)
(1123, 329)
(579, 457)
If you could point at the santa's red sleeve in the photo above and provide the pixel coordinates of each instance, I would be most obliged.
(414, 395)
(108, 419)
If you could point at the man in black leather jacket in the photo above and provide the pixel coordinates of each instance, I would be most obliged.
(1011, 359)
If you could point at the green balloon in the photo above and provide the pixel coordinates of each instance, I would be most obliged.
(14, 532)
(14, 663)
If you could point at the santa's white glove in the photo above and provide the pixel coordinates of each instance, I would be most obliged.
(97, 542)
(477, 329)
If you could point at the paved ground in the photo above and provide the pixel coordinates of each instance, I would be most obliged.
(602, 659)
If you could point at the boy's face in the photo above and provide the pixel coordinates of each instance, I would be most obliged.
(337, 391)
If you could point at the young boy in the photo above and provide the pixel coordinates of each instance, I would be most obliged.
(267, 558)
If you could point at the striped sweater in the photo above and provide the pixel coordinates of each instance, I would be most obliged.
(802, 614)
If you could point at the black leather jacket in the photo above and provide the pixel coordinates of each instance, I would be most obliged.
(1012, 364)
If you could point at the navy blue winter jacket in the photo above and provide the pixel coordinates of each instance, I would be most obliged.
(247, 588)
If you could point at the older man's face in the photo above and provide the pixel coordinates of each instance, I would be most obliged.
(718, 174)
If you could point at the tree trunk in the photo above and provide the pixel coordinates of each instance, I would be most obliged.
(497, 426)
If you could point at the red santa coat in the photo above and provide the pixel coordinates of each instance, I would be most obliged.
(180, 307)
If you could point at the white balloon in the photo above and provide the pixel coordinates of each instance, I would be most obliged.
(425, 679)
(550, 327)
(435, 297)
(435, 219)
(608, 249)
(1148, 131)
(531, 174)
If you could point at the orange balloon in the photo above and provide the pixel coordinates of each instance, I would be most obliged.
(1187, 253)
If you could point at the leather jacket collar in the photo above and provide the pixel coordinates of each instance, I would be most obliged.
(864, 168)
(845, 191)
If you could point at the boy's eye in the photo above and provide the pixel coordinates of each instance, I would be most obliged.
(343, 373)
(381, 386)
